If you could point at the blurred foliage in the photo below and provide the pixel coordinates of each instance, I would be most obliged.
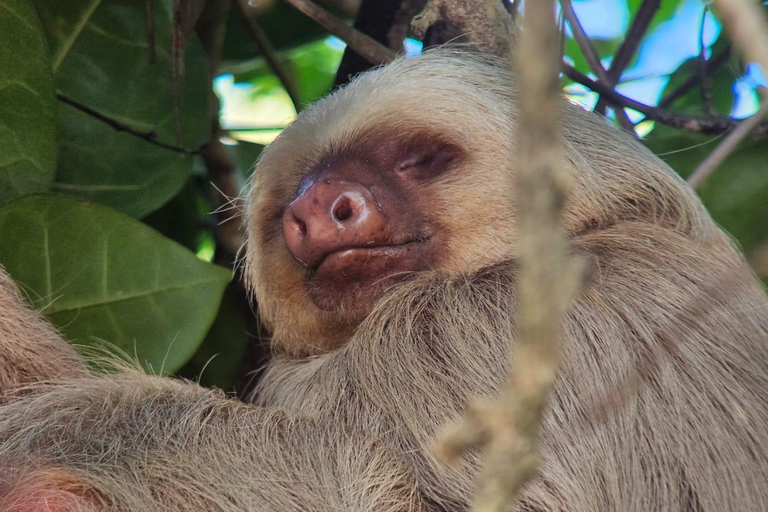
(112, 236)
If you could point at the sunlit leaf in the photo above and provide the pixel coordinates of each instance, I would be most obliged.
(101, 276)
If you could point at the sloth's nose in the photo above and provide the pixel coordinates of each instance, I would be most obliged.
(331, 215)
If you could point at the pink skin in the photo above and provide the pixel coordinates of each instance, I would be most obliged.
(329, 216)
(353, 245)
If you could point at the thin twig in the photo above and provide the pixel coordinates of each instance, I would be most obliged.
(270, 55)
(148, 136)
(587, 49)
(706, 92)
(726, 147)
(367, 47)
(627, 50)
(712, 64)
(708, 126)
(593, 59)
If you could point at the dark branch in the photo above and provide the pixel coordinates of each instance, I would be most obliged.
(628, 48)
(259, 37)
(590, 54)
(368, 48)
(148, 136)
(635, 34)
(694, 80)
(708, 126)
(376, 19)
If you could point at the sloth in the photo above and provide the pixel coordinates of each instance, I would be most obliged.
(382, 253)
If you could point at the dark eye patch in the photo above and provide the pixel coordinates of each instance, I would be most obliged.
(426, 155)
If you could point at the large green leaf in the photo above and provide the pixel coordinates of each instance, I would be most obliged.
(100, 275)
(27, 103)
(101, 60)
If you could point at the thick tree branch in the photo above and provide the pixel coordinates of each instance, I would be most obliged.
(747, 28)
(508, 430)
(484, 24)
(148, 136)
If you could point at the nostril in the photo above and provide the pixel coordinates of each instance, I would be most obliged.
(301, 227)
(342, 209)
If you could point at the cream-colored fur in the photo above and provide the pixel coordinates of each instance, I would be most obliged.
(662, 402)
(138, 443)
(473, 101)
(30, 349)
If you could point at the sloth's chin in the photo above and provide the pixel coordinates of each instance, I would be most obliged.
(352, 280)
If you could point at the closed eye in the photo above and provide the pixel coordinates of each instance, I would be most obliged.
(420, 161)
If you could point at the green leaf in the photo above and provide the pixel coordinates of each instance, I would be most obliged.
(102, 276)
(101, 59)
(244, 154)
(735, 194)
(313, 68)
(186, 218)
(28, 142)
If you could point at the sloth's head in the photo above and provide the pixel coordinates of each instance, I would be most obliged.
(406, 170)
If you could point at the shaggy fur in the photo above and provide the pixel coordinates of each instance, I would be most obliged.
(691, 435)
(469, 100)
(662, 402)
(30, 349)
(139, 443)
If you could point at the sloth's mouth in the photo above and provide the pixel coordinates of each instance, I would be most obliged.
(360, 254)
(355, 277)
